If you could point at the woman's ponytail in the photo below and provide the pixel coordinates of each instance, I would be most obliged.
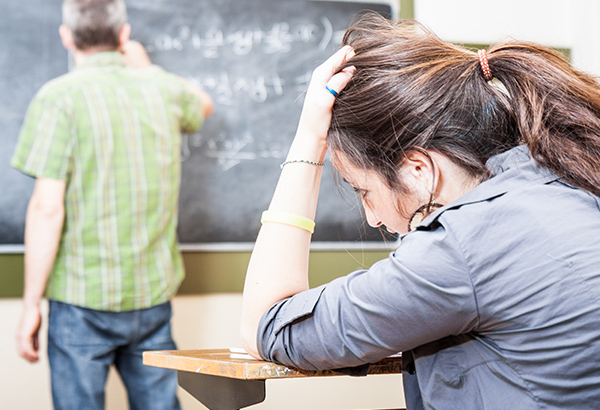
(557, 110)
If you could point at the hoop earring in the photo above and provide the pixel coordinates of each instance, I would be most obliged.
(421, 213)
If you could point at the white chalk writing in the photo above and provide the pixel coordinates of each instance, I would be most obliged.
(225, 89)
(278, 39)
(229, 152)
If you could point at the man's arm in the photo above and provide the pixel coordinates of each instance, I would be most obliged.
(135, 55)
(207, 103)
(43, 227)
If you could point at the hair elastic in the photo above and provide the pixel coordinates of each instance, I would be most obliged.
(319, 164)
(288, 219)
(485, 65)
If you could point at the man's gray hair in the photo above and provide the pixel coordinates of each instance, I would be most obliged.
(94, 23)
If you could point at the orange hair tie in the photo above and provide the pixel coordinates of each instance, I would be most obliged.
(485, 65)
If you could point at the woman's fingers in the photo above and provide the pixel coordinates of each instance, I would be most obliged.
(337, 83)
(326, 82)
(327, 71)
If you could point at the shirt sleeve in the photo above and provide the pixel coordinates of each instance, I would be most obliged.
(44, 146)
(192, 110)
(421, 293)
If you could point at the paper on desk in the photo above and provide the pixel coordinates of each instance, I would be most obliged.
(239, 353)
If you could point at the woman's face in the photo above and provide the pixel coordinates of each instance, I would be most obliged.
(381, 204)
(425, 176)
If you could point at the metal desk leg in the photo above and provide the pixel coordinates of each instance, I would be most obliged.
(222, 393)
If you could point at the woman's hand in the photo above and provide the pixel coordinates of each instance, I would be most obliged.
(316, 112)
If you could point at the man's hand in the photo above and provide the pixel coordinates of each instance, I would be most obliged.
(135, 55)
(27, 333)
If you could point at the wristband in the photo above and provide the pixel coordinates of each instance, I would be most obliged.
(288, 219)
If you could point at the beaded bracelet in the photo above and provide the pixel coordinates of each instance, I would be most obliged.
(288, 219)
(319, 164)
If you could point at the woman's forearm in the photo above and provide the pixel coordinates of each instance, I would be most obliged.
(278, 266)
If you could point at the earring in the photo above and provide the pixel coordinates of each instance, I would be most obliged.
(421, 213)
(424, 211)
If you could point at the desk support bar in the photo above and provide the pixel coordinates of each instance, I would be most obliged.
(222, 393)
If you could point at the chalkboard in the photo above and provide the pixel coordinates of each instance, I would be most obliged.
(254, 57)
(31, 54)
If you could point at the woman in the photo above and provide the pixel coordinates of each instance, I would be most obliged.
(487, 164)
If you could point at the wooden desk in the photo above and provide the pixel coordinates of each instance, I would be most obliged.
(225, 380)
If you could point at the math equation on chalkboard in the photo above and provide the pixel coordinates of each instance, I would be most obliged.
(255, 58)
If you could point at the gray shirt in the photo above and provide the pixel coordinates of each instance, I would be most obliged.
(494, 300)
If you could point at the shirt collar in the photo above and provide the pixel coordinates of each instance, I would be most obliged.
(103, 59)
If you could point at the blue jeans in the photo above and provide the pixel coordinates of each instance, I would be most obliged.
(84, 343)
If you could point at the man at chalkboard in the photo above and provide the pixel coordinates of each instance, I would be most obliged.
(103, 143)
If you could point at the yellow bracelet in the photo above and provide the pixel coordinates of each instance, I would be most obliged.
(288, 219)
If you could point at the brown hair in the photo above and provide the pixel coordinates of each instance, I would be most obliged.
(412, 90)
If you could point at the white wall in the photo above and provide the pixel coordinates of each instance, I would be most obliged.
(573, 24)
(199, 322)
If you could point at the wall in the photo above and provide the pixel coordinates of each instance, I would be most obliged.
(199, 322)
(573, 25)
(205, 316)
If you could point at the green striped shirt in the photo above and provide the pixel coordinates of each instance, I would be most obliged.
(113, 133)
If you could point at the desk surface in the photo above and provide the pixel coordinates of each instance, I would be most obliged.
(224, 362)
